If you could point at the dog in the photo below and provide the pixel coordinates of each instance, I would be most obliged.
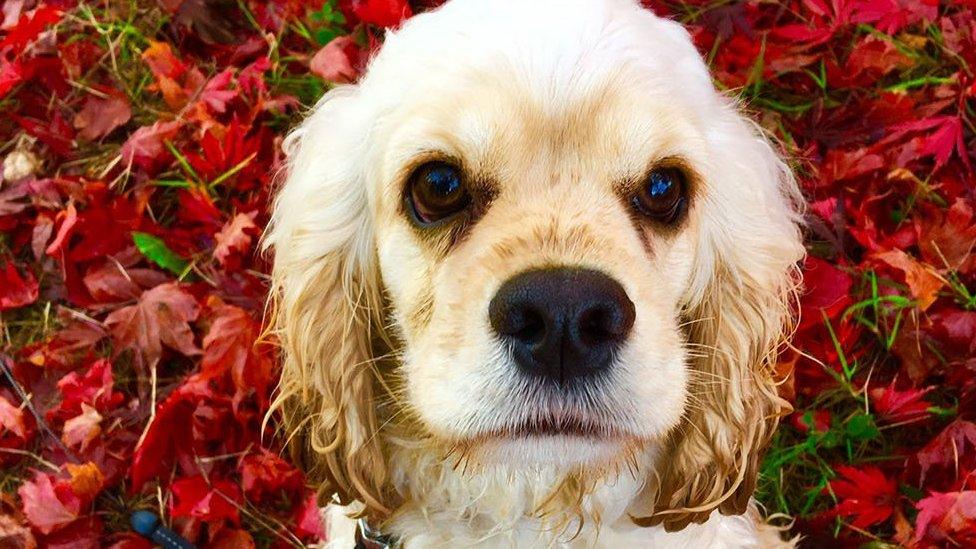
(531, 276)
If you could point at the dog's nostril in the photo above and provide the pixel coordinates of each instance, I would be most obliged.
(562, 323)
(595, 326)
(531, 327)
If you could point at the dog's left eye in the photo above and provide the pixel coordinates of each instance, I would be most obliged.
(662, 195)
(437, 191)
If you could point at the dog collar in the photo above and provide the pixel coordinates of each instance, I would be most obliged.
(369, 538)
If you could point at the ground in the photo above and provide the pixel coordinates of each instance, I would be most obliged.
(140, 142)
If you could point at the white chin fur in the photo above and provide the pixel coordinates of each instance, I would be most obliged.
(558, 451)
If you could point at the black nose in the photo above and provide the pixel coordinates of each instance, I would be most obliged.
(562, 323)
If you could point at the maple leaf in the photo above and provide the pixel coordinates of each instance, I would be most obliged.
(82, 429)
(46, 510)
(265, 475)
(229, 346)
(12, 418)
(947, 518)
(866, 494)
(895, 405)
(16, 290)
(948, 448)
(383, 13)
(161, 317)
(145, 147)
(826, 290)
(215, 93)
(948, 238)
(923, 283)
(99, 116)
(208, 501)
(11, 74)
(86, 480)
(29, 27)
(234, 238)
(94, 388)
(338, 61)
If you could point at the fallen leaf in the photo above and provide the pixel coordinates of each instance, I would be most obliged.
(922, 281)
(16, 290)
(42, 506)
(99, 116)
(82, 429)
(207, 501)
(948, 519)
(866, 494)
(235, 237)
(161, 317)
(338, 61)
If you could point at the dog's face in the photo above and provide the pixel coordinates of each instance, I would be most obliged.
(569, 241)
(536, 252)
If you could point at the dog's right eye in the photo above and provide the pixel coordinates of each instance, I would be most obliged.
(437, 191)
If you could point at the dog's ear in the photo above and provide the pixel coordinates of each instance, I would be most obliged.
(326, 304)
(738, 315)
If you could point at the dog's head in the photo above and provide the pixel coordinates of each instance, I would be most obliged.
(534, 232)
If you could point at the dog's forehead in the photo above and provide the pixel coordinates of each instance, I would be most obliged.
(608, 78)
(554, 53)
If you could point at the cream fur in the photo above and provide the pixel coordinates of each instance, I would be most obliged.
(394, 389)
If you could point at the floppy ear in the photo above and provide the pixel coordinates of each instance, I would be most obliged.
(325, 301)
(737, 318)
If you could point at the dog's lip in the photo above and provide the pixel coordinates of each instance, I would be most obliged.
(558, 427)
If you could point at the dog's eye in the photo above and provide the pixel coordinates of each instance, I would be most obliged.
(437, 191)
(662, 196)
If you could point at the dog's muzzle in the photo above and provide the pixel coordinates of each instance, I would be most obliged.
(562, 324)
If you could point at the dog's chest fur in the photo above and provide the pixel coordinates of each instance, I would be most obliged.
(500, 507)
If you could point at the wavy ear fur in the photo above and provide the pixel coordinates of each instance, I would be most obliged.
(325, 302)
(736, 326)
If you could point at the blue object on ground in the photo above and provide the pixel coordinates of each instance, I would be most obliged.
(147, 524)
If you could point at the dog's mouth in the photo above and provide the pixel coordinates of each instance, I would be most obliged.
(565, 426)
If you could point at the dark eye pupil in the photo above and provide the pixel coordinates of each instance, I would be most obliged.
(437, 191)
(444, 180)
(659, 184)
(662, 196)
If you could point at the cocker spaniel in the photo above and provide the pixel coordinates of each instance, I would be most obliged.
(531, 276)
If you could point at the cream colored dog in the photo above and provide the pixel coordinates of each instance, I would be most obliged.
(531, 275)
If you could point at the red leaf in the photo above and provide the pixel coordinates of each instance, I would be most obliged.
(383, 13)
(145, 147)
(895, 405)
(948, 519)
(46, 510)
(229, 347)
(12, 418)
(29, 27)
(866, 494)
(923, 283)
(82, 429)
(954, 443)
(234, 239)
(210, 502)
(161, 317)
(99, 116)
(308, 519)
(15, 290)
(826, 291)
(94, 387)
(11, 74)
(338, 61)
(265, 475)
